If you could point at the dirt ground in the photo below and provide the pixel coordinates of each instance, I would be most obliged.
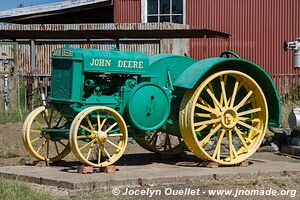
(12, 152)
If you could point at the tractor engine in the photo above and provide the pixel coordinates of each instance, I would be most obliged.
(120, 80)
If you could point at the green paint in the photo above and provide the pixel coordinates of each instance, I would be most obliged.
(211, 65)
(145, 90)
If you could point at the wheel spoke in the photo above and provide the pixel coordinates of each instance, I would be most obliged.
(50, 117)
(204, 115)
(207, 122)
(87, 144)
(90, 123)
(45, 118)
(167, 139)
(106, 152)
(115, 135)
(214, 98)
(239, 133)
(217, 151)
(240, 85)
(111, 127)
(104, 120)
(249, 126)
(98, 120)
(42, 146)
(39, 125)
(204, 102)
(113, 144)
(60, 142)
(57, 151)
(249, 111)
(235, 89)
(90, 150)
(207, 138)
(244, 118)
(232, 151)
(211, 110)
(85, 137)
(87, 129)
(35, 131)
(154, 141)
(223, 95)
(58, 122)
(48, 149)
(212, 91)
(99, 154)
(242, 103)
(201, 127)
(153, 137)
(36, 139)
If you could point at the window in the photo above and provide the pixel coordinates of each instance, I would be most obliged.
(163, 11)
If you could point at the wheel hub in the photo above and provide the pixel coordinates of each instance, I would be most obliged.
(229, 118)
(102, 136)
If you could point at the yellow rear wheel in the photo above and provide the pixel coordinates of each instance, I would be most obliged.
(162, 143)
(98, 136)
(42, 146)
(224, 118)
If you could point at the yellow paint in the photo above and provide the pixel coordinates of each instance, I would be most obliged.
(100, 137)
(131, 64)
(30, 131)
(100, 62)
(196, 115)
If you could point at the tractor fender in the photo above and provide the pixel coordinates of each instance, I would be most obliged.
(194, 73)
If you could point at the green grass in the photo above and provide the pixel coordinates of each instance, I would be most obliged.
(7, 154)
(8, 150)
(12, 116)
(279, 182)
(12, 190)
(248, 182)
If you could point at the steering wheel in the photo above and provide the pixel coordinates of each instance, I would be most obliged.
(228, 54)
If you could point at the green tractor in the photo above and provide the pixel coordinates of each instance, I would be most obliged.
(218, 108)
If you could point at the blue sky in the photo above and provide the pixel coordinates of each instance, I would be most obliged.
(8, 4)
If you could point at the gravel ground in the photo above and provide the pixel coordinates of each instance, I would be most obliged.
(12, 152)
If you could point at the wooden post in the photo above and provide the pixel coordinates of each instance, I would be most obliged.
(33, 56)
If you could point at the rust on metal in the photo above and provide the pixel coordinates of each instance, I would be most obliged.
(106, 31)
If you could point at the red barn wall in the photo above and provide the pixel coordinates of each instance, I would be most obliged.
(258, 29)
(127, 11)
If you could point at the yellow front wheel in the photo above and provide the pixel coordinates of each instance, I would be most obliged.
(42, 146)
(224, 118)
(98, 136)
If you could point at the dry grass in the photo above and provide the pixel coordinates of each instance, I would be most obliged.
(18, 191)
(10, 150)
(286, 107)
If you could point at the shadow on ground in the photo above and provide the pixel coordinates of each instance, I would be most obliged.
(144, 159)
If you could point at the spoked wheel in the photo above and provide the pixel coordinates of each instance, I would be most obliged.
(98, 136)
(162, 143)
(225, 118)
(40, 145)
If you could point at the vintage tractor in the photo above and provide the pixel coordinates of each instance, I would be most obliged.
(218, 108)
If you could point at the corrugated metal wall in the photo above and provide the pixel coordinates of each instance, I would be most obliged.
(258, 29)
(127, 11)
(44, 49)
